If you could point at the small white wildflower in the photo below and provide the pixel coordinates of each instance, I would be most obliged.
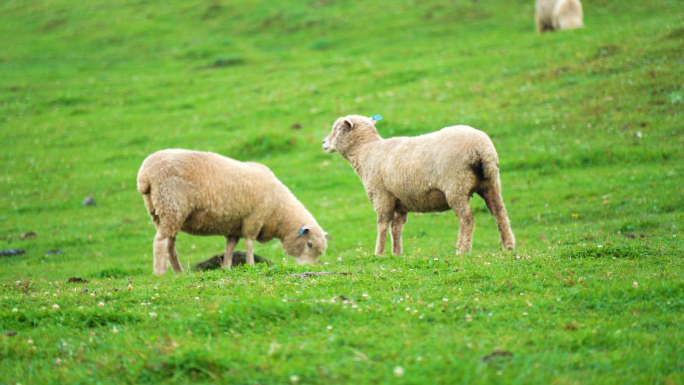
(364, 296)
(398, 371)
(408, 309)
(153, 315)
(635, 284)
(445, 299)
(92, 294)
(436, 259)
(339, 259)
(487, 263)
(58, 361)
(468, 318)
(114, 330)
(15, 309)
(100, 305)
(294, 379)
(329, 328)
(525, 313)
(197, 298)
(29, 341)
(55, 306)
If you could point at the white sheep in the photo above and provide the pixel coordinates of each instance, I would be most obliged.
(202, 193)
(553, 15)
(427, 173)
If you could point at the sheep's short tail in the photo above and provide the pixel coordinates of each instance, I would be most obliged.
(144, 187)
(143, 183)
(490, 166)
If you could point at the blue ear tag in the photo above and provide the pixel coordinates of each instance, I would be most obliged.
(301, 231)
(376, 117)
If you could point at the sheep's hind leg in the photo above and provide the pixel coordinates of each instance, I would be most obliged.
(494, 200)
(165, 252)
(173, 256)
(466, 222)
(397, 227)
(228, 256)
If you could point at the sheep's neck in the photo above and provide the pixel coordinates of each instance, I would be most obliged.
(284, 220)
(359, 155)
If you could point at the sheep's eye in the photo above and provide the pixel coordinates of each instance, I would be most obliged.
(309, 244)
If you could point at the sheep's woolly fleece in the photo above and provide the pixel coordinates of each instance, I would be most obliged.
(203, 193)
(553, 15)
(432, 172)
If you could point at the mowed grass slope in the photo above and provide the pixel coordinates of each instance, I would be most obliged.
(587, 123)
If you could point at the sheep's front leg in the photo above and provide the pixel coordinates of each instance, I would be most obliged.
(384, 206)
(228, 256)
(397, 227)
(249, 251)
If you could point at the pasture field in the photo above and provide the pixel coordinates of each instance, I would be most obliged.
(589, 129)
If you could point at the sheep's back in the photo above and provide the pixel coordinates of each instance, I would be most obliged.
(415, 166)
(227, 189)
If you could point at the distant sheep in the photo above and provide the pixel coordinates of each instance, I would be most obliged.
(553, 15)
(202, 193)
(427, 173)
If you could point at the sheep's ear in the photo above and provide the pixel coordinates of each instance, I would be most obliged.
(303, 230)
(347, 124)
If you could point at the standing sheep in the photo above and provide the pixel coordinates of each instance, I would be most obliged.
(427, 173)
(202, 193)
(558, 14)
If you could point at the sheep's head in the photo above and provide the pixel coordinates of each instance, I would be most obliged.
(306, 245)
(348, 132)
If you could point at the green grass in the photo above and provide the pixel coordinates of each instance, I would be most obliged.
(587, 124)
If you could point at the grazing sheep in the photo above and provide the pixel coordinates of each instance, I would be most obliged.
(202, 193)
(427, 173)
(553, 15)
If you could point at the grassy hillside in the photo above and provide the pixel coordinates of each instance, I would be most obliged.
(587, 124)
